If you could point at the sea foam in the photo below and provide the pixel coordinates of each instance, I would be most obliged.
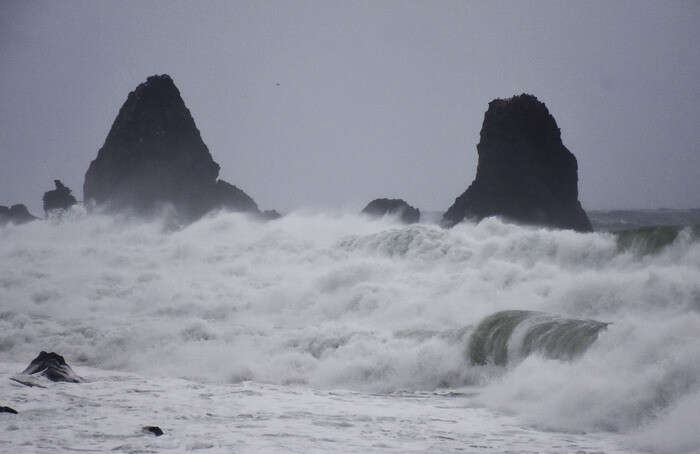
(334, 300)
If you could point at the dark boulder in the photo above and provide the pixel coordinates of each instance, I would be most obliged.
(155, 430)
(154, 155)
(525, 173)
(52, 366)
(383, 207)
(16, 214)
(59, 198)
(8, 410)
(270, 215)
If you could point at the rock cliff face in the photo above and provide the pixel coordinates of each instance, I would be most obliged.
(154, 155)
(17, 214)
(382, 207)
(525, 173)
(59, 198)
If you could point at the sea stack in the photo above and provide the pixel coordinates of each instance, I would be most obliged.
(399, 207)
(154, 156)
(59, 198)
(525, 173)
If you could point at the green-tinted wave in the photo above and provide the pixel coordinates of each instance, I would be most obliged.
(651, 240)
(508, 335)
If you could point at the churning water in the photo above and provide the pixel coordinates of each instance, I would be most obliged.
(557, 333)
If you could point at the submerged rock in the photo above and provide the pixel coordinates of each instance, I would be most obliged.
(155, 430)
(8, 410)
(270, 215)
(52, 366)
(59, 198)
(525, 173)
(383, 207)
(16, 214)
(154, 155)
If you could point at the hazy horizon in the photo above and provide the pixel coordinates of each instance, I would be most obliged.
(310, 104)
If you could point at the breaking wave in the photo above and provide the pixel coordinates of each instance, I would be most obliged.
(512, 335)
(651, 240)
(333, 300)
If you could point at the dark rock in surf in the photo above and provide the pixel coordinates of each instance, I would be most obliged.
(525, 173)
(270, 215)
(155, 430)
(16, 214)
(52, 366)
(399, 207)
(154, 155)
(8, 410)
(60, 198)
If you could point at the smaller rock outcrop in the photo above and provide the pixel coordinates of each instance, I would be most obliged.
(59, 198)
(49, 365)
(397, 207)
(270, 215)
(155, 430)
(232, 198)
(16, 214)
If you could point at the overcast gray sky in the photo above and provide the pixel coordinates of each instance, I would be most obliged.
(375, 98)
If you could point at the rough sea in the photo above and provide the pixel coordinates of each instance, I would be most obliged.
(331, 332)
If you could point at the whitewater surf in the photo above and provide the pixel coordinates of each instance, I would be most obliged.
(326, 332)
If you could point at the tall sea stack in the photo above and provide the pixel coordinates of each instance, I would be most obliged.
(154, 155)
(525, 173)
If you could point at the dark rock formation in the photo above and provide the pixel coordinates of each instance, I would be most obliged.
(155, 430)
(382, 207)
(17, 214)
(52, 366)
(154, 155)
(525, 173)
(232, 198)
(58, 199)
(8, 410)
(270, 215)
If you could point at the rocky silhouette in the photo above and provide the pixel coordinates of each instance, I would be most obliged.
(60, 198)
(8, 410)
(155, 430)
(154, 155)
(16, 214)
(49, 365)
(382, 207)
(524, 173)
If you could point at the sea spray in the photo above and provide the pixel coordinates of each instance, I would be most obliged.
(333, 300)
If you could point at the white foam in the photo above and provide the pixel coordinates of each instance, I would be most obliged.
(340, 301)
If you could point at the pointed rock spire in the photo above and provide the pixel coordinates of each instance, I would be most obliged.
(154, 155)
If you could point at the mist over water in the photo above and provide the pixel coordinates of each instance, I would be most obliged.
(335, 300)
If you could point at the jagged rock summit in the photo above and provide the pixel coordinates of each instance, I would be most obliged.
(154, 155)
(525, 173)
(382, 207)
(59, 198)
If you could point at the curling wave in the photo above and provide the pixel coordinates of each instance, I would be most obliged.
(510, 335)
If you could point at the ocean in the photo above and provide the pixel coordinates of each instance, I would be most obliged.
(332, 332)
